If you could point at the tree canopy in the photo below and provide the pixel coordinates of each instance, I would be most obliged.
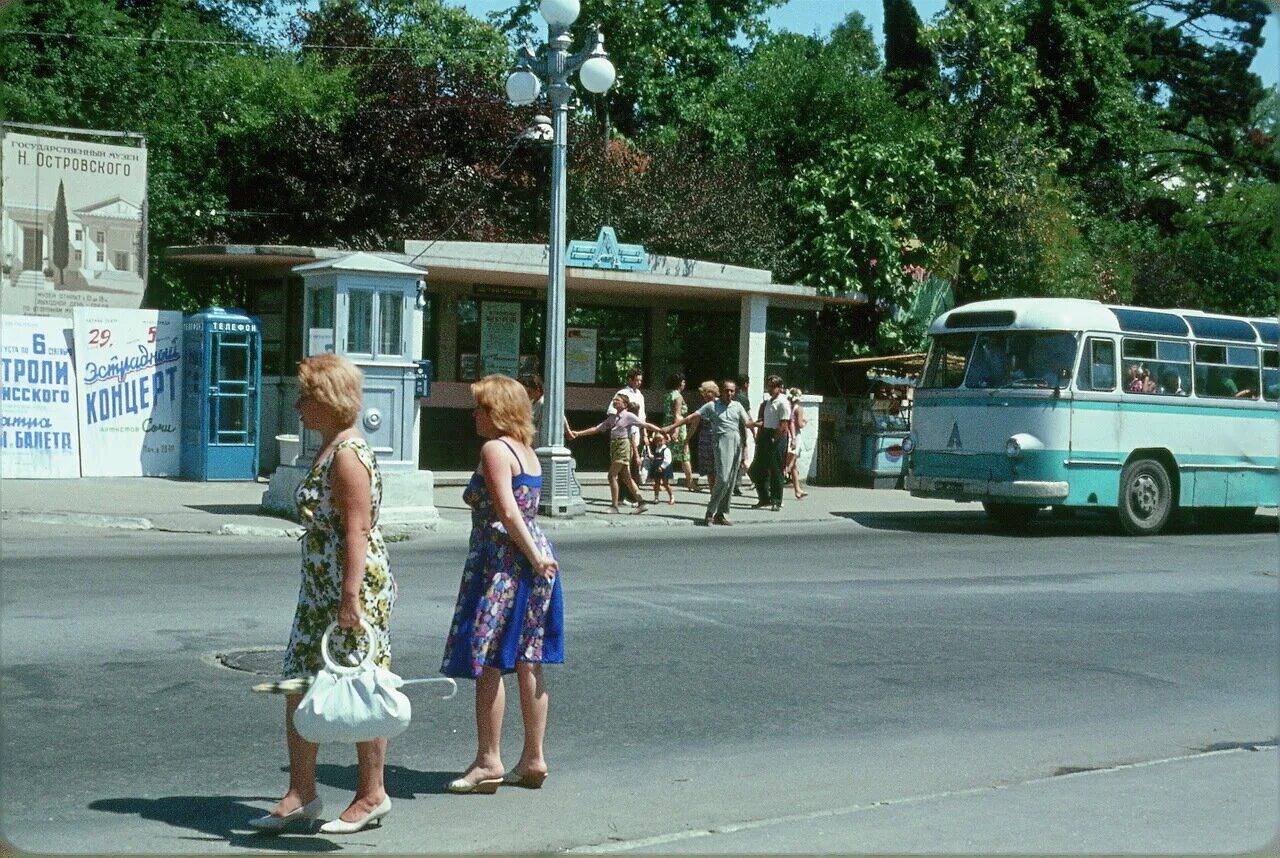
(1103, 148)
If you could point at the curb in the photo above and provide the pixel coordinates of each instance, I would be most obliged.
(80, 519)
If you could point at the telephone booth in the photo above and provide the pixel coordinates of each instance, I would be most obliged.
(222, 371)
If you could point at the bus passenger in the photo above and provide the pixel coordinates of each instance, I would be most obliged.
(1171, 382)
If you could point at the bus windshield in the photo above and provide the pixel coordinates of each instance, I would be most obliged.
(1001, 359)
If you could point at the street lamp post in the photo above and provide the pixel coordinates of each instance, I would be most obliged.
(560, 493)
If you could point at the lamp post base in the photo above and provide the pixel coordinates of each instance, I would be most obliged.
(561, 494)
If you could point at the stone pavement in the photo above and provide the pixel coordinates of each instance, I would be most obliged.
(234, 508)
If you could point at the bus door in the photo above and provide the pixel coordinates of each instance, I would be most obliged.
(1095, 460)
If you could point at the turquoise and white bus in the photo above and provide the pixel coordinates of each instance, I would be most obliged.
(1035, 402)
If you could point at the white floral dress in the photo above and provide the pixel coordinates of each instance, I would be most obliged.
(322, 562)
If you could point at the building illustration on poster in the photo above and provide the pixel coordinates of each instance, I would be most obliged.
(39, 435)
(73, 225)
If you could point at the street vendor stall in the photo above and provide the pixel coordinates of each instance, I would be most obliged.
(874, 417)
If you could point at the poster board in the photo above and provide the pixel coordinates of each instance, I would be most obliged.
(469, 367)
(39, 432)
(130, 391)
(580, 355)
(500, 338)
(72, 224)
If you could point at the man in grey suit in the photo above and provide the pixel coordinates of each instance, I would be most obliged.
(727, 421)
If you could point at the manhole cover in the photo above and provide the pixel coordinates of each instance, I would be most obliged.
(265, 662)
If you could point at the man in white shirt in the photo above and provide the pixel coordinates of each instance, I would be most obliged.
(635, 378)
(771, 447)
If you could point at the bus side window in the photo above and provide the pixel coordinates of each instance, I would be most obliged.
(1099, 371)
(1271, 375)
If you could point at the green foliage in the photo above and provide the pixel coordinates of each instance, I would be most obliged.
(678, 200)
(667, 53)
(1101, 148)
(791, 96)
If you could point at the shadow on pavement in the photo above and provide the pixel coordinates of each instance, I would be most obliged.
(401, 782)
(221, 817)
(1046, 524)
(233, 509)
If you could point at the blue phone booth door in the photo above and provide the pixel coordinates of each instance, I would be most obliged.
(233, 394)
(220, 432)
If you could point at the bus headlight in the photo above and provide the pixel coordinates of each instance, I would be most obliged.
(1012, 448)
(908, 444)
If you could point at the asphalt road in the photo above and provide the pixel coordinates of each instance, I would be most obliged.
(883, 683)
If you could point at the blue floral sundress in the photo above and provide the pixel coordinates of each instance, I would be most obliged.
(505, 613)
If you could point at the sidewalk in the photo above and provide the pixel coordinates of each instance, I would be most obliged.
(233, 508)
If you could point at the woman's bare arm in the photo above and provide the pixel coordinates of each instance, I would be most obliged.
(351, 484)
(496, 464)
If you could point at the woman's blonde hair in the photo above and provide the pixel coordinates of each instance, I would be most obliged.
(334, 382)
(507, 403)
(709, 387)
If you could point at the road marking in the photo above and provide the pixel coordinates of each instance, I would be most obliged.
(636, 600)
(730, 828)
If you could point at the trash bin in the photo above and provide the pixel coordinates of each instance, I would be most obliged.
(290, 448)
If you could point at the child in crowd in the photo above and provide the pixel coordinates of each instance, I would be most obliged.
(660, 467)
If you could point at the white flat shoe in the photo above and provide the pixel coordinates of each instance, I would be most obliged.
(339, 826)
(308, 814)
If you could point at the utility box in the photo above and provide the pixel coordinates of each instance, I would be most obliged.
(221, 385)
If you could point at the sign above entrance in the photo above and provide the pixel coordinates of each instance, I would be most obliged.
(605, 252)
(507, 293)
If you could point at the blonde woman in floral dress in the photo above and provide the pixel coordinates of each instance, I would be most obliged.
(510, 613)
(345, 578)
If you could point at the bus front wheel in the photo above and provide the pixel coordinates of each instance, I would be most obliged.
(1010, 515)
(1146, 497)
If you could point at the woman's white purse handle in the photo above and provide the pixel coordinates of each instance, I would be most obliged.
(300, 684)
(347, 670)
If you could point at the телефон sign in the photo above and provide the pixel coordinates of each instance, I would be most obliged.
(72, 225)
(130, 391)
(38, 430)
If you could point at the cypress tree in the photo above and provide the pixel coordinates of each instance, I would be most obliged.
(60, 239)
(911, 67)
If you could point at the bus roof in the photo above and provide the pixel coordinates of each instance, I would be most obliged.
(1077, 314)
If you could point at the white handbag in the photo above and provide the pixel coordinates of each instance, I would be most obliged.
(352, 704)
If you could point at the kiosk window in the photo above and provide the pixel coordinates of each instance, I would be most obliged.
(360, 322)
(390, 311)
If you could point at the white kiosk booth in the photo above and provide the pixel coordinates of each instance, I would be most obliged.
(368, 309)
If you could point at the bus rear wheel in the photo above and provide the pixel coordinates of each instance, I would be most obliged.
(1010, 515)
(1146, 497)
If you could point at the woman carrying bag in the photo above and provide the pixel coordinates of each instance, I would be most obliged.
(345, 579)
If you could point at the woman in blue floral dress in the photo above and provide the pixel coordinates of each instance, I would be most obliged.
(510, 613)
